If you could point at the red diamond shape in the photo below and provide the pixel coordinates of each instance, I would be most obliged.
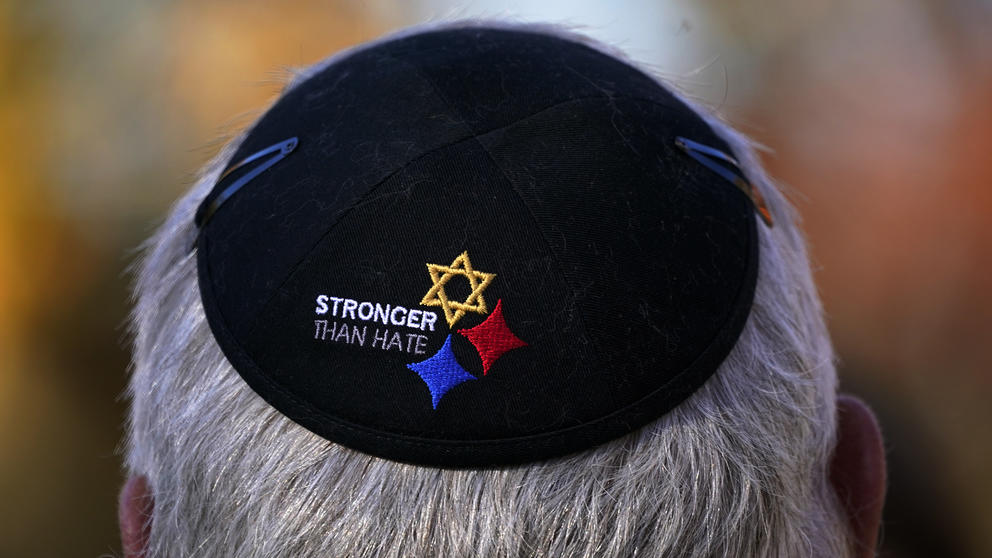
(492, 338)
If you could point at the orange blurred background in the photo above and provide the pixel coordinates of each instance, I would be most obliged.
(877, 115)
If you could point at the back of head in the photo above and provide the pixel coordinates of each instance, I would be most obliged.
(730, 462)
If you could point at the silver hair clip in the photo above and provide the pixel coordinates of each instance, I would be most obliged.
(718, 162)
(281, 150)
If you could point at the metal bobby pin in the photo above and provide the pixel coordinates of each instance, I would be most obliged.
(712, 158)
(282, 149)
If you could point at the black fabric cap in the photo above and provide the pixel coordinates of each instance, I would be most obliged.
(584, 275)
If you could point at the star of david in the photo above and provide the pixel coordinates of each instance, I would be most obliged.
(441, 274)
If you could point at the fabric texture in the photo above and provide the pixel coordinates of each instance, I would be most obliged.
(624, 269)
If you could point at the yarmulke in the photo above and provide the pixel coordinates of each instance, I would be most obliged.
(472, 247)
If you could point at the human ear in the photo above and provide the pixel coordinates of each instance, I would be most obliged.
(134, 515)
(857, 471)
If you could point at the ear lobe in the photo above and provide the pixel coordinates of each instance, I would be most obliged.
(134, 515)
(857, 471)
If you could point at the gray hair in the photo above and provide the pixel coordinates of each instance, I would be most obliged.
(739, 469)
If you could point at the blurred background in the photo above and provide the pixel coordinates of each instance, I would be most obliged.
(877, 116)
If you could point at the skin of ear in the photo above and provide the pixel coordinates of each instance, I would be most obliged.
(858, 471)
(134, 514)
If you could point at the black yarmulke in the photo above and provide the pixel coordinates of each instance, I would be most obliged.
(484, 248)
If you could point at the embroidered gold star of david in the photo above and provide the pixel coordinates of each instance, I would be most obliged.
(441, 274)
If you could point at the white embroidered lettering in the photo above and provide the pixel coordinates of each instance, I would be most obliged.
(321, 329)
(413, 318)
(392, 315)
(410, 338)
(421, 344)
(395, 340)
(381, 314)
(368, 311)
(428, 320)
(365, 311)
(360, 337)
(342, 333)
(380, 340)
(349, 308)
(322, 304)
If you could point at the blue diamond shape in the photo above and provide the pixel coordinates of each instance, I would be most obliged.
(441, 372)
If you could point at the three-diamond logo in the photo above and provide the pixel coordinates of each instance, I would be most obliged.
(492, 338)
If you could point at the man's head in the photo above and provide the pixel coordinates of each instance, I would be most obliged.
(650, 374)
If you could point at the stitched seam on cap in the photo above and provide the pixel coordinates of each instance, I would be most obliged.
(407, 439)
(513, 187)
(371, 190)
